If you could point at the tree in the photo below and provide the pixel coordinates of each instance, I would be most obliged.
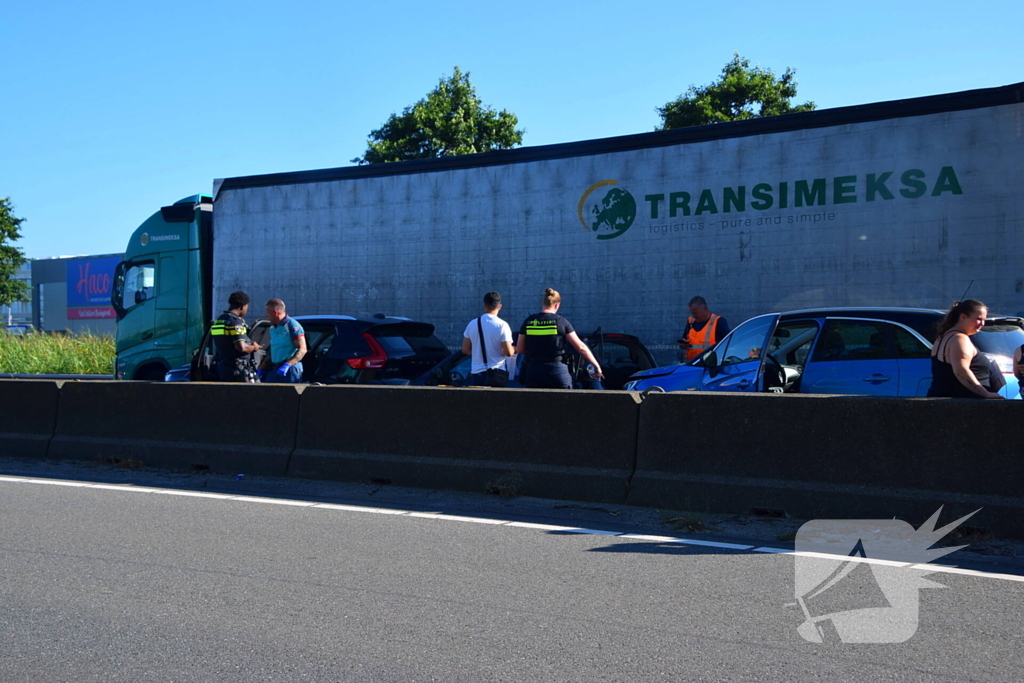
(450, 120)
(12, 290)
(740, 93)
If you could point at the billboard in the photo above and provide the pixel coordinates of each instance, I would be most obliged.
(89, 283)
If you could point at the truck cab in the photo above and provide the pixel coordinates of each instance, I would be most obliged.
(161, 290)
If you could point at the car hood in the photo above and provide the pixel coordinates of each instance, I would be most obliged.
(683, 376)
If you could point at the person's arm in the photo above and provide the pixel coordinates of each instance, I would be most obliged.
(721, 329)
(506, 349)
(1018, 367)
(521, 343)
(585, 351)
(683, 344)
(958, 353)
(467, 346)
(506, 341)
(246, 346)
(300, 349)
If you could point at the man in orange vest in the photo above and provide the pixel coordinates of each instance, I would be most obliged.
(703, 330)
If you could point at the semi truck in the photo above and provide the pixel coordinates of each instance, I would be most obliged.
(903, 203)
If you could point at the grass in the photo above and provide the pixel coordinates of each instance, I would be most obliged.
(41, 354)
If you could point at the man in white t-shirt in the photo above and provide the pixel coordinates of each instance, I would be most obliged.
(488, 339)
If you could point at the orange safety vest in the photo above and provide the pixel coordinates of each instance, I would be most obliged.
(701, 341)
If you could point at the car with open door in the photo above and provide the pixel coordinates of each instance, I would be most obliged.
(865, 351)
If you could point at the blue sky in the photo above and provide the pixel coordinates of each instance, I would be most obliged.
(113, 109)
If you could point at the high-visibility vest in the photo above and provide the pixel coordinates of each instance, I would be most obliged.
(701, 341)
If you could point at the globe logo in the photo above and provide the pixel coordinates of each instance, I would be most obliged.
(612, 215)
(145, 238)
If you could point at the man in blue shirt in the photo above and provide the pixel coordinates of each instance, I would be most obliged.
(287, 346)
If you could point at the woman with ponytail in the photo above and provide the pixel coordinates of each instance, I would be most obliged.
(542, 339)
(959, 370)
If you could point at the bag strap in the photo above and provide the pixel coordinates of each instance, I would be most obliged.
(483, 347)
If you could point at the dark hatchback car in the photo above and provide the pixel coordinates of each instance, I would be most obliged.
(346, 350)
(620, 355)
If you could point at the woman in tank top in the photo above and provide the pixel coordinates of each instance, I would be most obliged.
(959, 370)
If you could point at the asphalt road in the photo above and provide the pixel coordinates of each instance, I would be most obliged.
(173, 581)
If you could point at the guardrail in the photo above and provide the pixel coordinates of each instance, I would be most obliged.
(805, 456)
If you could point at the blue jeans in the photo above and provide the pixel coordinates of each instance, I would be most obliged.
(294, 375)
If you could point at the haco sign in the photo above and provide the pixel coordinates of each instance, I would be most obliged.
(89, 283)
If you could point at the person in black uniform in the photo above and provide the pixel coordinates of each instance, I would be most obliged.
(542, 339)
(959, 370)
(232, 346)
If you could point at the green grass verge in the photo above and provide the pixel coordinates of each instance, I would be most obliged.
(39, 354)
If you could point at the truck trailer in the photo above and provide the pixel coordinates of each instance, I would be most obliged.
(903, 203)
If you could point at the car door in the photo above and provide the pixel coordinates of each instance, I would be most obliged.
(735, 363)
(853, 356)
(913, 355)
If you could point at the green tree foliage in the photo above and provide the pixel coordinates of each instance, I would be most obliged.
(450, 120)
(742, 92)
(12, 290)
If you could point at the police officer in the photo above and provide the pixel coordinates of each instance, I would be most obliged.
(703, 330)
(543, 337)
(232, 345)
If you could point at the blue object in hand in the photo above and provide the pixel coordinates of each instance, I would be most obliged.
(259, 373)
(283, 369)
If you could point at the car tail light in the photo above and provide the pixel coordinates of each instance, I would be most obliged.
(375, 360)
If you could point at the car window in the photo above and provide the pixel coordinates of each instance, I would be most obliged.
(843, 340)
(745, 343)
(614, 353)
(909, 346)
(791, 342)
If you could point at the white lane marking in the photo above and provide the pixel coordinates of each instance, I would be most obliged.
(541, 527)
(133, 489)
(360, 508)
(648, 537)
(522, 525)
(831, 556)
(274, 501)
(457, 518)
(712, 544)
(193, 494)
(968, 572)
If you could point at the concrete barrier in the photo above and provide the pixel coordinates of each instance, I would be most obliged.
(28, 417)
(832, 456)
(579, 445)
(238, 428)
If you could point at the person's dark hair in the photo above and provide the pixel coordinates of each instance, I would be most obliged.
(551, 297)
(699, 300)
(492, 300)
(276, 304)
(966, 307)
(237, 300)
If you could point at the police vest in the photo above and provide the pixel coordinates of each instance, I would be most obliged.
(701, 341)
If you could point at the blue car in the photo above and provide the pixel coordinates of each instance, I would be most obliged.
(871, 351)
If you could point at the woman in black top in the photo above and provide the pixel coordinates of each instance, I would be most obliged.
(959, 370)
(542, 338)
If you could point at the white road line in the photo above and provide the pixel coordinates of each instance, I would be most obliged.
(831, 556)
(457, 518)
(521, 525)
(274, 501)
(193, 494)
